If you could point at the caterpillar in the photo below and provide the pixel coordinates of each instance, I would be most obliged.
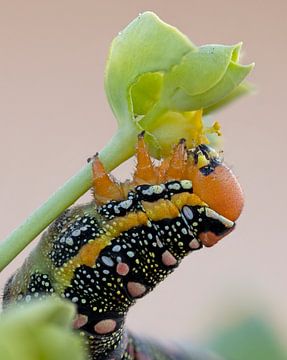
(106, 254)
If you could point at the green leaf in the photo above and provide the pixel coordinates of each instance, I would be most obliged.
(204, 78)
(145, 93)
(252, 339)
(202, 69)
(155, 74)
(146, 45)
(40, 330)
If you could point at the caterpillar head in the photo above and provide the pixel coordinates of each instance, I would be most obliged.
(215, 184)
(216, 198)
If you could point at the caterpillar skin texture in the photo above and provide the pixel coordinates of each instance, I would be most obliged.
(106, 254)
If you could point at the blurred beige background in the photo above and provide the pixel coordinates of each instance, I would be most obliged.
(54, 114)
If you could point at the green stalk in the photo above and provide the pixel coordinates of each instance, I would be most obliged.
(119, 149)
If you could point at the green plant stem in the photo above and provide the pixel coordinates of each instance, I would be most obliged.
(120, 148)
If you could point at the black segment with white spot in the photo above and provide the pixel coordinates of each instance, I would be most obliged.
(150, 193)
(177, 187)
(114, 208)
(153, 193)
(176, 235)
(39, 287)
(67, 244)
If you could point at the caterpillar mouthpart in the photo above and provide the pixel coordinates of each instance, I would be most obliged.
(209, 238)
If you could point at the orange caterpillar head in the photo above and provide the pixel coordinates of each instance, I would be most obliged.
(213, 183)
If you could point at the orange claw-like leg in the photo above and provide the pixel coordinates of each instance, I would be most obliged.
(104, 187)
(145, 172)
(178, 162)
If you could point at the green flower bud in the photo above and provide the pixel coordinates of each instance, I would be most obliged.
(156, 80)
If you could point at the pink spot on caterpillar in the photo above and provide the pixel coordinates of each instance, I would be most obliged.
(136, 289)
(105, 326)
(80, 321)
(122, 269)
(194, 244)
(168, 259)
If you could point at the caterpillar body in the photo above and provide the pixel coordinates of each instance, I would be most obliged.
(106, 254)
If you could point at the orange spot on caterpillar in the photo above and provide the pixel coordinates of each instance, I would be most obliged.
(180, 200)
(161, 209)
(90, 252)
